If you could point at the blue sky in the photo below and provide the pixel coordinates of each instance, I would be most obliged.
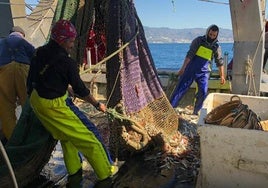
(183, 14)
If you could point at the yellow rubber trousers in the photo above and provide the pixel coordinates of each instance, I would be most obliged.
(13, 91)
(77, 134)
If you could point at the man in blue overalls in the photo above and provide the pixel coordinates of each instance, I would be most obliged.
(196, 67)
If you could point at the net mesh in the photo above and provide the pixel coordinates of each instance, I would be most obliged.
(155, 121)
(134, 88)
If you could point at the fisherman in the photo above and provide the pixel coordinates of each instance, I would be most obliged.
(51, 72)
(15, 58)
(196, 67)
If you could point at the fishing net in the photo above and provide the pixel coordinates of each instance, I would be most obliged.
(28, 149)
(141, 111)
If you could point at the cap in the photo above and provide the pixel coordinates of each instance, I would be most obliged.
(62, 30)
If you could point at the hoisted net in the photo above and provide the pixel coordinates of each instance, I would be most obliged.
(141, 110)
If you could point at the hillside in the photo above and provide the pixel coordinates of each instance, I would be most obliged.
(167, 35)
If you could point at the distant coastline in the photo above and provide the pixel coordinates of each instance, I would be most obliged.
(167, 35)
(171, 55)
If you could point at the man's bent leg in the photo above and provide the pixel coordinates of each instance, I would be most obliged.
(201, 94)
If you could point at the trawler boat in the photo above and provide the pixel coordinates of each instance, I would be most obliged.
(248, 51)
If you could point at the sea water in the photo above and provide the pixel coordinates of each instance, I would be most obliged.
(171, 55)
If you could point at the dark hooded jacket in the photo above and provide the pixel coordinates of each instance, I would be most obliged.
(203, 41)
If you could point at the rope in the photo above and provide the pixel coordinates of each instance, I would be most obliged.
(250, 76)
(136, 126)
(106, 59)
(110, 56)
(249, 67)
(112, 112)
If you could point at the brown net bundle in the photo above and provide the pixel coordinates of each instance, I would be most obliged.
(141, 111)
(234, 114)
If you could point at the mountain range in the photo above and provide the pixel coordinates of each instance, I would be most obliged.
(167, 35)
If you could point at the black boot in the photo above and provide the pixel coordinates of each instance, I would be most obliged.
(75, 180)
(106, 183)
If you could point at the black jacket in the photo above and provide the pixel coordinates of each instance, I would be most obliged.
(52, 70)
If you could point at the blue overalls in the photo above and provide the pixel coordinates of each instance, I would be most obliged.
(197, 70)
